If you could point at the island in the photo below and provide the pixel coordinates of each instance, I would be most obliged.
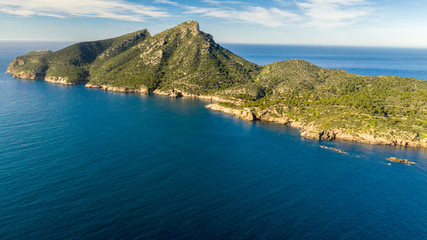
(325, 104)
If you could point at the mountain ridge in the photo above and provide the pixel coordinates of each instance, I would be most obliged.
(186, 62)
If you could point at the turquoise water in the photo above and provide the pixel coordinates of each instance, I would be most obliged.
(80, 163)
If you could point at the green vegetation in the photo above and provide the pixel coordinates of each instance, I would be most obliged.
(73, 63)
(187, 60)
(179, 58)
(33, 65)
(386, 106)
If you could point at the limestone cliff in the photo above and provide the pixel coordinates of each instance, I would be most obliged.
(245, 114)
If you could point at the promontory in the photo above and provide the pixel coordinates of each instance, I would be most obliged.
(186, 62)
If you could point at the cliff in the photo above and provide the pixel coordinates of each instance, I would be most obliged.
(32, 65)
(185, 62)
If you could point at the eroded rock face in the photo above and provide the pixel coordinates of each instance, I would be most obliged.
(174, 93)
(327, 135)
(59, 80)
(38, 73)
(245, 113)
(318, 134)
(371, 139)
(269, 118)
(26, 75)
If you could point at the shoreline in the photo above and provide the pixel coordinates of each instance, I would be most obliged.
(171, 93)
(310, 132)
(249, 114)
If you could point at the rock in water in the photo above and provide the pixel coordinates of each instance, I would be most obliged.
(399, 160)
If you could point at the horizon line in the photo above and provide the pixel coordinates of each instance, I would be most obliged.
(271, 44)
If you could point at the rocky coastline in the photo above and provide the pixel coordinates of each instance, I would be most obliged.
(249, 114)
(184, 62)
(170, 93)
(118, 89)
(309, 131)
(245, 114)
(24, 75)
(58, 80)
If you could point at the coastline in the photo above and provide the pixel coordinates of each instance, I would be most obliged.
(184, 62)
(171, 93)
(59, 80)
(249, 114)
(310, 131)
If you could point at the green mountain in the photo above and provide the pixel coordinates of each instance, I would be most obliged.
(184, 61)
(72, 64)
(182, 57)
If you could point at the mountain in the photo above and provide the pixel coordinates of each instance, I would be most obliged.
(182, 57)
(184, 61)
(71, 65)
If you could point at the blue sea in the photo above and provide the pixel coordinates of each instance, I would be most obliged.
(80, 163)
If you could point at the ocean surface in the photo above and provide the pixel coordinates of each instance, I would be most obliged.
(80, 163)
(402, 62)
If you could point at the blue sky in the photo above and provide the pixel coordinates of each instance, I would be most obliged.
(312, 22)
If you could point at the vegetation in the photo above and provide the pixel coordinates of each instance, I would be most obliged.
(33, 64)
(187, 60)
(386, 106)
(74, 62)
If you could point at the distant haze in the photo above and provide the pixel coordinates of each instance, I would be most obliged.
(387, 23)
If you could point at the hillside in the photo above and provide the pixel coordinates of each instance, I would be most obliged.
(182, 57)
(184, 61)
(331, 103)
(72, 64)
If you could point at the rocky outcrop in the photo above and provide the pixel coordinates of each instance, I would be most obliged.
(319, 135)
(244, 113)
(26, 75)
(175, 93)
(399, 160)
(372, 139)
(32, 75)
(59, 80)
(118, 89)
(30, 66)
(171, 93)
(274, 117)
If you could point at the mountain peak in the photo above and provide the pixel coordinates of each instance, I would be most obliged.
(191, 25)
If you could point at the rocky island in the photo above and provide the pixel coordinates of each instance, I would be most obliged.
(399, 160)
(325, 104)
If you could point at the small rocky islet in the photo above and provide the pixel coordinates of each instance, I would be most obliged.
(183, 61)
(399, 160)
(334, 149)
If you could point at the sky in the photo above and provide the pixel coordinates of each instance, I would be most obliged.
(384, 23)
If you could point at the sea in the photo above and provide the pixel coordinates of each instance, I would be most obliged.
(79, 163)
